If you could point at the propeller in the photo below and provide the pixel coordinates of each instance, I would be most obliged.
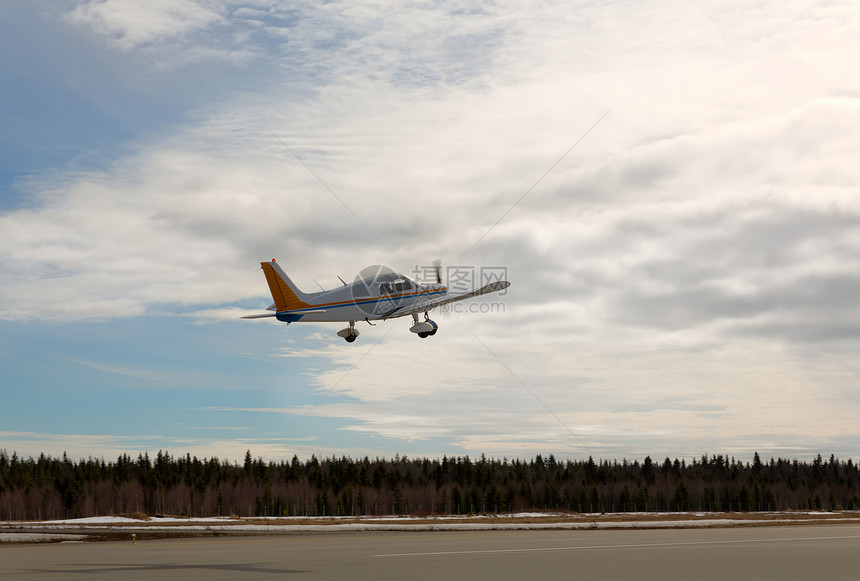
(443, 311)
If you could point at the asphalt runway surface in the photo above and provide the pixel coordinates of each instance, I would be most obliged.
(820, 552)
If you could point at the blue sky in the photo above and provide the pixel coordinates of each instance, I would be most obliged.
(684, 280)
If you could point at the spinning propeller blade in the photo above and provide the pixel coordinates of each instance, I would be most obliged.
(438, 264)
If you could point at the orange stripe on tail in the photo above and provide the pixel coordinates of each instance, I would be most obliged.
(287, 297)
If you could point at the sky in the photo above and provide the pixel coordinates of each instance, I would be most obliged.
(670, 187)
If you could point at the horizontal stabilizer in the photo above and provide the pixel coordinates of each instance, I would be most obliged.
(295, 312)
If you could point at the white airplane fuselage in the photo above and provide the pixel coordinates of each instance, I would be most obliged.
(362, 300)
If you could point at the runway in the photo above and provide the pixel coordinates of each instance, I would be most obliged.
(829, 552)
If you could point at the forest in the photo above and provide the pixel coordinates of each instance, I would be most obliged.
(47, 488)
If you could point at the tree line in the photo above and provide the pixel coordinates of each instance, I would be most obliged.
(51, 488)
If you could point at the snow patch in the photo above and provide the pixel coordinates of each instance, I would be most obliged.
(39, 537)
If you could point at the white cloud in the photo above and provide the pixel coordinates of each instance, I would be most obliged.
(128, 24)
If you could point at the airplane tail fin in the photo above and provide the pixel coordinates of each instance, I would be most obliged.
(286, 294)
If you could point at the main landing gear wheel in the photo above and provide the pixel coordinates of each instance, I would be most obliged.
(429, 333)
(350, 334)
(425, 328)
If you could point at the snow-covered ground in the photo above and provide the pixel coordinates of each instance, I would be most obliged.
(40, 538)
(42, 531)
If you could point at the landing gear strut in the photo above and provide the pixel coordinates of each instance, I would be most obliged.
(423, 329)
(350, 334)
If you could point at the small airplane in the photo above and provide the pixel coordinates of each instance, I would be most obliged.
(378, 293)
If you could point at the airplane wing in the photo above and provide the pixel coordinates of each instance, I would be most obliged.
(433, 303)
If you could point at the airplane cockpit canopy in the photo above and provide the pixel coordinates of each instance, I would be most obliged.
(398, 285)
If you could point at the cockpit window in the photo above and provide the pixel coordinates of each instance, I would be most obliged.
(398, 286)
